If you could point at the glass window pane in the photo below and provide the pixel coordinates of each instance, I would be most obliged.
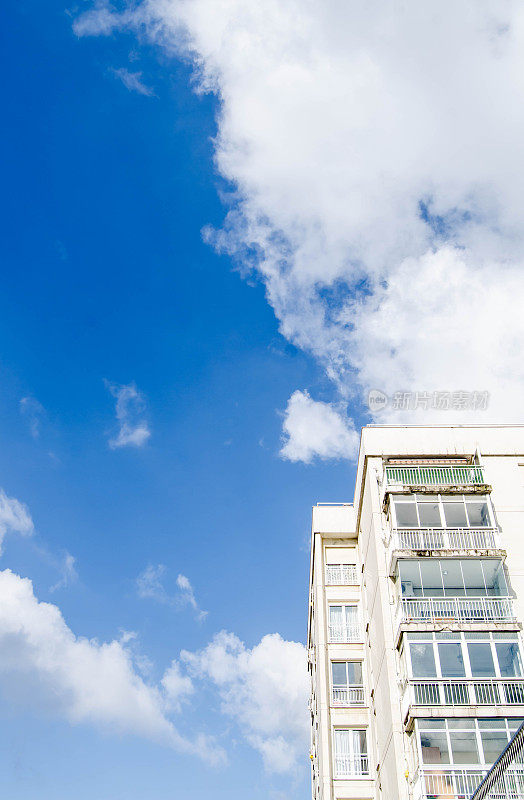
(451, 660)
(429, 515)
(355, 673)
(431, 577)
(409, 578)
(463, 747)
(461, 724)
(422, 660)
(338, 669)
(431, 724)
(455, 515)
(406, 515)
(510, 663)
(481, 660)
(434, 746)
(493, 743)
(474, 577)
(362, 743)
(452, 578)
(494, 577)
(478, 514)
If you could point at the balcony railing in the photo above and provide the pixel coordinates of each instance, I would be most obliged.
(345, 633)
(461, 692)
(351, 766)
(341, 575)
(456, 609)
(444, 539)
(348, 695)
(468, 475)
(448, 784)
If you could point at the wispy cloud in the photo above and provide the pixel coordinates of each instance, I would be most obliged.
(130, 410)
(34, 413)
(67, 571)
(150, 586)
(133, 81)
(14, 517)
(187, 596)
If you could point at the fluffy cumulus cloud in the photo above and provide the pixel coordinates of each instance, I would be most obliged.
(264, 689)
(43, 664)
(130, 407)
(14, 517)
(374, 150)
(312, 428)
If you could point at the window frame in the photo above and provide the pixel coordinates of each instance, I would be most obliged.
(440, 499)
(476, 730)
(464, 641)
(359, 728)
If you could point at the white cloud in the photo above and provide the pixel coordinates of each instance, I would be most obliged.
(187, 596)
(14, 517)
(44, 665)
(34, 412)
(129, 408)
(312, 429)
(177, 686)
(264, 689)
(67, 571)
(150, 586)
(133, 81)
(375, 155)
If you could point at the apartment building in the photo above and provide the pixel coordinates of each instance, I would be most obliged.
(415, 614)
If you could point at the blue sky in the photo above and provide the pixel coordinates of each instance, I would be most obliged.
(218, 237)
(106, 278)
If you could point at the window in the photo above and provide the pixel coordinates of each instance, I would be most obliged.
(351, 758)
(441, 511)
(463, 741)
(341, 574)
(347, 683)
(474, 577)
(464, 655)
(344, 624)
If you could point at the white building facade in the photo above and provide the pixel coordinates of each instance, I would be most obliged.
(415, 614)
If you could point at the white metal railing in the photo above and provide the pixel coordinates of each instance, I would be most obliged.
(505, 779)
(451, 784)
(444, 539)
(351, 766)
(341, 574)
(456, 609)
(461, 692)
(466, 475)
(345, 633)
(348, 695)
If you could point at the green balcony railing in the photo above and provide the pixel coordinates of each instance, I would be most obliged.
(467, 475)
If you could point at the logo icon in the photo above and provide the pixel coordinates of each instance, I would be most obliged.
(377, 400)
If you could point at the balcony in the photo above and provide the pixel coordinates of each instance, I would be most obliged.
(439, 610)
(341, 575)
(345, 633)
(460, 784)
(461, 692)
(458, 475)
(347, 767)
(448, 784)
(347, 696)
(416, 542)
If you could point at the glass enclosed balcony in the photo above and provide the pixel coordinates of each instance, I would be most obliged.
(453, 590)
(455, 755)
